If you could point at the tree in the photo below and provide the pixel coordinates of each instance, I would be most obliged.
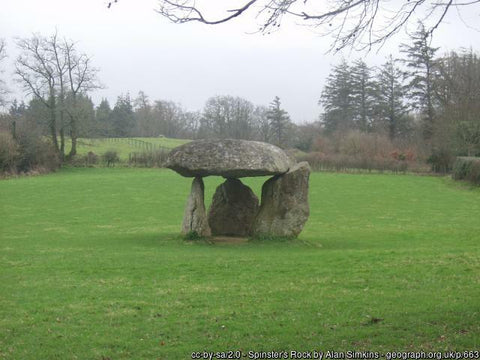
(458, 91)
(363, 94)
(36, 72)
(81, 111)
(337, 99)
(357, 23)
(123, 120)
(390, 99)
(261, 124)
(228, 117)
(348, 97)
(421, 76)
(103, 119)
(81, 79)
(144, 117)
(192, 124)
(3, 87)
(51, 69)
(16, 111)
(279, 122)
(170, 118)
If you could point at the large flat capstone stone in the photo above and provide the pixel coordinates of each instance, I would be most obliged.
(228, 158)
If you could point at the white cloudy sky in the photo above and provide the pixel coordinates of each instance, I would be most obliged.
(136, 49)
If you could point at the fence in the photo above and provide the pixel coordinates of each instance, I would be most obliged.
(137, 143)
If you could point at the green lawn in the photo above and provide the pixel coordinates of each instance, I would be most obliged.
(92, 267)
(125, 146)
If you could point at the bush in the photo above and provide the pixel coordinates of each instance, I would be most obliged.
(155, 158)
(36, 153)
(467, 168)
(441, 161)
(8, 152)
(110, 157)
(357, 150)
(89, 159)
(28, 153)
(345, 163)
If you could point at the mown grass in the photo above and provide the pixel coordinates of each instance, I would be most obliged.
(124, 146)
(92, 267)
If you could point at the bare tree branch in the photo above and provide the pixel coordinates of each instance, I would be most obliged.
(53, 71)
(191, 13)
(359, 24)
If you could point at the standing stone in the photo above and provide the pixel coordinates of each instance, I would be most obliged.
(195, 216)
(284, 210)
(233, 209)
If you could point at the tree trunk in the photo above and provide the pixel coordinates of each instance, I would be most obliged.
(62, 122)
(73, 135)
(73, 127)
(53, 129)
(62, 142)
(14, 130)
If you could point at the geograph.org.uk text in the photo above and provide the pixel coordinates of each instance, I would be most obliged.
(332, 355)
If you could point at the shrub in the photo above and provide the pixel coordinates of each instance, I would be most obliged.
(441, 161)
(154, 158)
(110, 157)
(345, 163)
(91, 158)
(28, 153)
(36, 153)
(8, 152)
(366, 151)
(467, 168)
(358, 144)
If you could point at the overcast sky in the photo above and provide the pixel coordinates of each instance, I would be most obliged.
(137, 49)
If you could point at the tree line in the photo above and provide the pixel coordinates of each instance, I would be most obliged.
(422, 98)
(428, 101)
(222, 117)
(58, 79)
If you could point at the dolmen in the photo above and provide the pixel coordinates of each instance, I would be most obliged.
(235, 210)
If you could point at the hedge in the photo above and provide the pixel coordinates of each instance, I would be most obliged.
(468, 169)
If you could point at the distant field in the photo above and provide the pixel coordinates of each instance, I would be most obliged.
(92, 267)
(125, 146)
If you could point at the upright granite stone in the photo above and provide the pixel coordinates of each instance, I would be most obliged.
(284, 209)
(195, 216)
(233, 209)
(228, 158)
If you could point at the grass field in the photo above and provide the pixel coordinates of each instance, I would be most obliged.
(92, 267)
(125, 146)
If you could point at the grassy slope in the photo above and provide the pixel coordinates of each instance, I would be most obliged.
(92, 267)
(123, 145)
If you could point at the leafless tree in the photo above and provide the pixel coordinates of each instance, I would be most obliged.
(3, 87)
(360, 24)
(53, 71)
(82, 78)
(36, 72)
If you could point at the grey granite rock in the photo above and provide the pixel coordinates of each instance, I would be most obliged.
(233, 209)
(195, 216)
(284, 209)
(228, 158)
